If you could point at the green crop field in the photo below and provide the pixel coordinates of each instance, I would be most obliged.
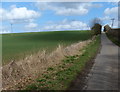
(16, 46)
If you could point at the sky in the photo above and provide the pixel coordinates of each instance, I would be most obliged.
(17, 17)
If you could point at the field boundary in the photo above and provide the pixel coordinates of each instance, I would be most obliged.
(60, 77)
(28, 69)
(20, 45)
(113, 39)
(81, 78)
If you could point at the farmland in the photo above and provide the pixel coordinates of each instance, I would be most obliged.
(16, 46)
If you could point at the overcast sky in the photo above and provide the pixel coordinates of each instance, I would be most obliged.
(54, 16)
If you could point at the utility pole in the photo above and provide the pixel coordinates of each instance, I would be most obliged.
(112, 21)
(11, 28)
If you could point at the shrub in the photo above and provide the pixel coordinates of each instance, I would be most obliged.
(96, 29)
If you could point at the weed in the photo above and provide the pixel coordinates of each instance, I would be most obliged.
(31, 87)
(50, 69)
(62, 78)
(41, 80)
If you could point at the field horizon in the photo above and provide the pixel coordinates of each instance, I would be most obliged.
(42, 31)
(17, 46)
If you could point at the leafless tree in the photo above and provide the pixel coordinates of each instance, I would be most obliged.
(95, 21)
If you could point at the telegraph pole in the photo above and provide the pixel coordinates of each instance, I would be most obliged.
(11, 27)
(112, 21)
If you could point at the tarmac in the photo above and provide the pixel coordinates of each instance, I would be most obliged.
(104, 73)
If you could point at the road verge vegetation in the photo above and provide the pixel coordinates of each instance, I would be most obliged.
(60, 76)
(113, 39)
(113, 34)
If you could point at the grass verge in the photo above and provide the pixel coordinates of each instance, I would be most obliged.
(113, 39)
(60, 77)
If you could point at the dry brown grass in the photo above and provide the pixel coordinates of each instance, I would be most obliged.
(17, 74)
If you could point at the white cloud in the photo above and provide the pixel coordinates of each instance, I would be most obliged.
(2, 13)
(31, 25)
(70, 11)
(67, 8)
(66, 25)
(109, 11)
(19, 21)
(105, 18)
(18, 13)
(4, 30)
(19, 16)
(22, 13)
(115, 25)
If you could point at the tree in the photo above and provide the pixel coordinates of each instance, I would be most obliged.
(95, 21)
(96, 29)
(96, 26)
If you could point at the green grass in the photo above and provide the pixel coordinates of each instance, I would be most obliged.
(114, 39)
(16, 46)
(60, 77)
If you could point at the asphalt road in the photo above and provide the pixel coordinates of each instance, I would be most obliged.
(104, 73)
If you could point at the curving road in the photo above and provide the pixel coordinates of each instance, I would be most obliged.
(104, 73)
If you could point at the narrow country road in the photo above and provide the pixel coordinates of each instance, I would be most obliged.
(104, 73)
